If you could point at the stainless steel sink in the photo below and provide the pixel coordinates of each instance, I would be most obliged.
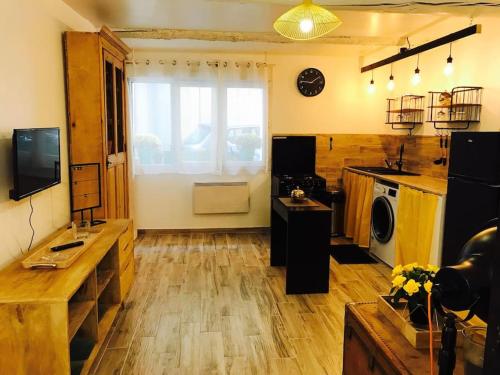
(385, 170)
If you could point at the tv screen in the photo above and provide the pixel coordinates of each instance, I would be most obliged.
(37, 161)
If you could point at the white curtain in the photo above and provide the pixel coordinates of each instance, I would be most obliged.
(200, 116)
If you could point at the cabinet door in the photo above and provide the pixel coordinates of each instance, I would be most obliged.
(361, 355)
(111, 192)
(116, 135)
(358, 358)
(110, 108)
(120, 190)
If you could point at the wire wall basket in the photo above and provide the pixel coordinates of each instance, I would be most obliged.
(406, 112)
(456, 110)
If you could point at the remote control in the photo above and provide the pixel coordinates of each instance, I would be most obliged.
(67, 246)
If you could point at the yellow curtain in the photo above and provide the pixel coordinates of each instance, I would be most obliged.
(359, 196)
(415, 225)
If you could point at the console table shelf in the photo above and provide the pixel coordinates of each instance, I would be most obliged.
(51, 318)
(103, 280)
(77, 313)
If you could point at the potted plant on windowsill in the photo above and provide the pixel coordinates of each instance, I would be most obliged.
(413, 283)
(247, 144)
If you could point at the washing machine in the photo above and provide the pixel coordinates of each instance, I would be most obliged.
(383, 227)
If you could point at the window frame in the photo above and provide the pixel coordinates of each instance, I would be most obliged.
(220, 125)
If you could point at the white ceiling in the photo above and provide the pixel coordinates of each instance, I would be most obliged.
(360, 18)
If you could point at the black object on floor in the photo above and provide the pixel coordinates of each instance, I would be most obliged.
(350, 254)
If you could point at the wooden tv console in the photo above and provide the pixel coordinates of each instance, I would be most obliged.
(45, 314)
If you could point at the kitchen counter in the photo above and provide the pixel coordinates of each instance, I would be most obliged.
(425, 183)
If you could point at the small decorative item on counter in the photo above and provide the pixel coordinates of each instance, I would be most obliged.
(298, 195)
(413, 283)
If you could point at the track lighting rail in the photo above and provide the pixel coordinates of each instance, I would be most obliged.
(471, 30)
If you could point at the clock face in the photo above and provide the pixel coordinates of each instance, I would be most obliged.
(311, 82)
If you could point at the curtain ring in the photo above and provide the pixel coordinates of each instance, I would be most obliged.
(148, 61)
(174, 62)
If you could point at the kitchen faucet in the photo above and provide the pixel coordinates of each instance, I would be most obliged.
(399, 162)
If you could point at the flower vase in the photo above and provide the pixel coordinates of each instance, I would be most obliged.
(418, 312)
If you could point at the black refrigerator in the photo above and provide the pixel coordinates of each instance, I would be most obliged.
(473, 194)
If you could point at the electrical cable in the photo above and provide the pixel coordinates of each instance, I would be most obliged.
(31, 225)
(431, 338)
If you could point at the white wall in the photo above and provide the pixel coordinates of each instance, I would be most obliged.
(32, 95)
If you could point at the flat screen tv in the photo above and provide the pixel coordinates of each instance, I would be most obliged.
(37, 161)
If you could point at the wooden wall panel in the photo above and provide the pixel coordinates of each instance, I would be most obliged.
(372, 150)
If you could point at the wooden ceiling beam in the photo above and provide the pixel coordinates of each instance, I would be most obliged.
(263, 37)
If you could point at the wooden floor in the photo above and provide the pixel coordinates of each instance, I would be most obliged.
(210, 303)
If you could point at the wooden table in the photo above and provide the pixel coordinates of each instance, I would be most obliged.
(372, 345)
(300, 240)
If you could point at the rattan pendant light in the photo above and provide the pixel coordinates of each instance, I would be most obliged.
(306, 21)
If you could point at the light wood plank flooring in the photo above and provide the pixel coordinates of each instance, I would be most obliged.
(210, 303)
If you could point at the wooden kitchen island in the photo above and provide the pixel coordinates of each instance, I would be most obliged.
(300, 240)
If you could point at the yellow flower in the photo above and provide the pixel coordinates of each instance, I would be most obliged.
(398, 281)
(428, 286)
(410, 267)
(412, 287)
(398, 270)
(432, 268)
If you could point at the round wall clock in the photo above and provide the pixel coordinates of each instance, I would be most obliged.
(310, 82)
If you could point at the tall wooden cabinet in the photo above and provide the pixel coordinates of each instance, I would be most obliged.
(97, 120)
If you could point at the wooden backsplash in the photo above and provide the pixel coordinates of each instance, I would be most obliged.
(372, 150)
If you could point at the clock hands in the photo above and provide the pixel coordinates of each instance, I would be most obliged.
(309, 82)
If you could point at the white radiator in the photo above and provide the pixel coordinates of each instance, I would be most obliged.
(221, 197)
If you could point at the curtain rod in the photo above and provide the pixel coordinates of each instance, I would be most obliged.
(471, 30)
(212, 63)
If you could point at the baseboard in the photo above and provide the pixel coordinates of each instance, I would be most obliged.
(264, 230)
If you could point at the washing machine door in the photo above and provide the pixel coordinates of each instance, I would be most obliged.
(382, 220)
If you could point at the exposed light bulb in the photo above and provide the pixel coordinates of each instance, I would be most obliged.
(371, 87)
(391, 85)
(448, 69)
(416, 79)
(306, 25)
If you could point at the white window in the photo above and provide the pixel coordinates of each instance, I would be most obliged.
(182, 126)
(245, 125)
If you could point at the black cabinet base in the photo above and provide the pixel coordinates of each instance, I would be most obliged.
(300, 240)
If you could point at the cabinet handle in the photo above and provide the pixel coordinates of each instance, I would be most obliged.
(73, 124)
